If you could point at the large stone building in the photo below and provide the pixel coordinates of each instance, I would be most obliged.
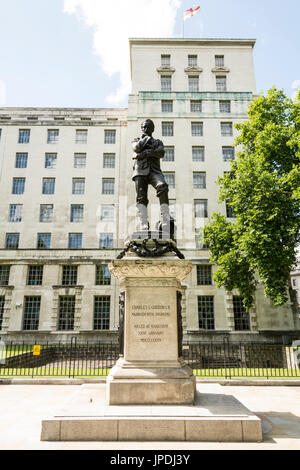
(67, 201)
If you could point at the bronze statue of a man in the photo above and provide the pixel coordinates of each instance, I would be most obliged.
(146, 170)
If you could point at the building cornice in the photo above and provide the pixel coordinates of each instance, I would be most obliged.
(194, 41)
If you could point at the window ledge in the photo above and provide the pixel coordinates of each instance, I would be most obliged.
(71, 286)
(193, 70)
(165, 69)
(220, 70)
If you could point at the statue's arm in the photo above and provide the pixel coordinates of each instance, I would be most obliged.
(138, 144)
(159, 151)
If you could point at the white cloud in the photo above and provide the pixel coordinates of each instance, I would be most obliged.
(2, 93)
(114, 22)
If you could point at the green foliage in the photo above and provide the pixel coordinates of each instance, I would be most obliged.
(263, 191)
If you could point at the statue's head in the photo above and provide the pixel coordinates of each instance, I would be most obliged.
(147, 127)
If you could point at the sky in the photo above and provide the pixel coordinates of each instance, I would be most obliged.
(75, 53)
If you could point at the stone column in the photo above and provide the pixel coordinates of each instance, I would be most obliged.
(151, 370)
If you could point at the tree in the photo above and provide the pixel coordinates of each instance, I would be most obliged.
(263, 189)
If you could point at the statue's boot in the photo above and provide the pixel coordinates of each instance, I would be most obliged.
(143, 217)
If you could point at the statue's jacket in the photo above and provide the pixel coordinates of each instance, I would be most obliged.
(151, 163)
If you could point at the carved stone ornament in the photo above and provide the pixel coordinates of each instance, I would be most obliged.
(178, 269)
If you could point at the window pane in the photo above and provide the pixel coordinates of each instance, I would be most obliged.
(204, 276)
(230, 212)
(199, 240)
(75, 240)
(170, 180)
(169, 154)
(219, 60)
(35, 275)
(167, 129)
(108, 186)
(109, 160)
(166, 83)
(101, 312)
(21, 160)
(198, 154)
(228, 153)
(167, 106)
(165, 60)
(196, 106)
(52, 136)
(78, 185)
(66, 312)
(81, 136)
(32, 307)
(18, 185)
(80, 160)
(50, 160)
(107, 213)
(110, 137)
(221, 83)
(103, 276)
(15, 213)
(225, 106)
(46, 212)
(76, 212)
(43, 240)
(4, 275)
(200, 207)
(24, 136)
(241, 316)
(69, 275)
(106, 240)
(226, 129)
(192, 61)
(206, 312)
(199, 180)
(193, 83)
(12, 241)
(48, 185)
(197, 129)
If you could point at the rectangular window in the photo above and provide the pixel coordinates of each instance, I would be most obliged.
(76, 213)
(106, 240)
(109, 136)
(18, 186)
(206, 312)
(199, 240)
(46, 212)
(108, 186)
(103, 277)
(12, 241)
(192, 60)
(75, 241)
(228, 153)
(167, 129)
(199, 180)
(200, 208)
(107, 213)
(69, 275)
(193, 83)
(109, 160)
(165, 60)
(48, 185)
(35, 275)
(43, 240)
(2, 302)
(50, 160)
(52, 137)
(167, 106)
(166, 83)
(21, 160)
(221, 83)
(169, 154)
(198, 154)
(66, 312)
(196, 106)
(4, 274)
(15, 213)
(225, 106)
(204, 276)
(197, 129)
(170, 179)
(78, 185)
(219, 60)
(79, 160)
(32, 306)
(81, 136)
(230, 212)
(226, 129)
(101, 312)
(241, 316)
(24, 136)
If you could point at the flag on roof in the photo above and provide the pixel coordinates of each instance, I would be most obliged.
(191, 12)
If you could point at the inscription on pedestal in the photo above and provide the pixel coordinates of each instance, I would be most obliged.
(149, 327)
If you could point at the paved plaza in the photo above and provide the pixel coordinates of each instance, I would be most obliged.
(24, 406)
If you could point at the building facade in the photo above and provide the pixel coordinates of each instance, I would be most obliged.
(67, 199)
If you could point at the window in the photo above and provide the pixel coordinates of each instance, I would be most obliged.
(48, 185)
(228, 153)
(21, 160)
(78, 185)
(52, 136)
(18, 185)
(199, 180)
(32, 307)
(196, 106)
(66, 312)
(169, 154)
(35, 275)
(69, 275)
(197, 129)
(219, 60)
(166, 83)
(221, 83)
(192, 60)
(46, 212)
(2, 302)
(81, 136)
(199, 240)
(76, 213)
(167, 129)
(167, 106)
(193, 83)
(103, 276)
(198, 154)
(24, 136)
(4, 274)
(241, 316)
(50, 160)
(109, 160)
(230, 212)
(101, 312)
(170, 180)
(294, 283)
(106, 240)
(108, 186)
(226, 129)
(200, 208)
(43, 240)
(110, 137)
(75, 241)
(225, 106)
(80, 160)
(204, 277)
(107, 213)
(206, 312)
(12, 241)
(15, 213)
(165, 60)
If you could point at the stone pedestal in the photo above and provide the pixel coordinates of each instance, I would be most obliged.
(151, 370)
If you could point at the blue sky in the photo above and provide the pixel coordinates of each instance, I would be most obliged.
(73, 53)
